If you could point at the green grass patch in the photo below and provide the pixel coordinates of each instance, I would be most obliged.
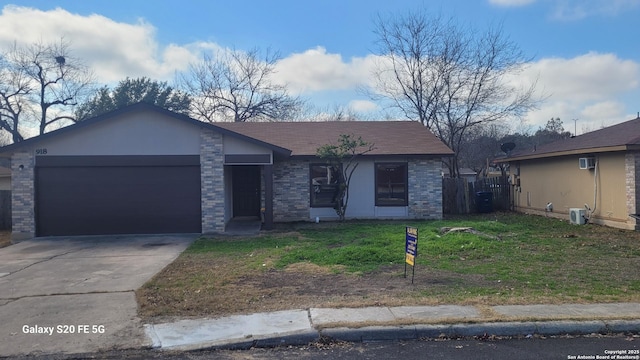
(512, 258)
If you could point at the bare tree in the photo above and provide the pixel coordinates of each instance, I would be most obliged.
(59, 80)
(238, 86)
(39, 84)
(14, 89)
(449, 77)
(333, 112)
(481, 146)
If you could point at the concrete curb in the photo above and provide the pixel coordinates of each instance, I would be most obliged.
(297, 327)
(416, 332)
(547, 328)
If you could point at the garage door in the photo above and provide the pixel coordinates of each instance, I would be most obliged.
(94, 195)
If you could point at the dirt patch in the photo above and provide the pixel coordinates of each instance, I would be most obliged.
(298, 286)
(312, 269)
(388, 282)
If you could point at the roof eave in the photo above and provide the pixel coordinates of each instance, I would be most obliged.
(275, 148)
(534, 155)
(430, 155)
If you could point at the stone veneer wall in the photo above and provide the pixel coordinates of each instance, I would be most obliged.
(291, 190)
(23, 196)
(425, 189)
(212, 181)
(632, 181)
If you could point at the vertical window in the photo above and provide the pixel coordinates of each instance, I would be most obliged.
(324, 185)
(391, 184)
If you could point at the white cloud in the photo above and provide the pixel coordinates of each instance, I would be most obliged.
(511, 2)
(317, 70)
(569, 10)
(112, 49)
(585, 87)
(363, 106)
(580, 9)
(592, 76)
(603, 113)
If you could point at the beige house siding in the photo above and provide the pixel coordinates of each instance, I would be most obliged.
(559, 180)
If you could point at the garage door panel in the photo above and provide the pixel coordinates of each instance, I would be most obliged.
(82, 200)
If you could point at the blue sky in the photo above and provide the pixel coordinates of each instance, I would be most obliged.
(584, 53)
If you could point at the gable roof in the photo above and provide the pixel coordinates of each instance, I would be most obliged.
(304, 138)
(619, 137)
(289, 138)
(139, 107)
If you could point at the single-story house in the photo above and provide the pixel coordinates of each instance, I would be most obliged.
(143, 169)
(597, 172)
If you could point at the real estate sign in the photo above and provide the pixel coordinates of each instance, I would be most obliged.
(410, 250)
(411, 246)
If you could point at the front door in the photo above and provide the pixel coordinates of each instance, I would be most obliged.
(246, 190)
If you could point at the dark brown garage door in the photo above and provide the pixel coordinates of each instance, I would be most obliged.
(94, 195)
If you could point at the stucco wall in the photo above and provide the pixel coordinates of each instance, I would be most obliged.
(561, 182)
(138, 133)
(236, 146)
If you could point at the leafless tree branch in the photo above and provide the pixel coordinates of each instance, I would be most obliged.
(237, 86)
(449, 77)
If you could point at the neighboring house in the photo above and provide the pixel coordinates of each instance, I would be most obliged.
(464, 173)
(143, 169)
(599, 171)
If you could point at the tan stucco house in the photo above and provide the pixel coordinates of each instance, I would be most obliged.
(598, 172)
(143, 169)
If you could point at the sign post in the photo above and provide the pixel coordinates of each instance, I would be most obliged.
(411, 250)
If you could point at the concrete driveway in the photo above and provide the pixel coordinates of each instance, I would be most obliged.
(76, 294)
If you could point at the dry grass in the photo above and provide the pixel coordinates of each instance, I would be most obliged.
(536, 260)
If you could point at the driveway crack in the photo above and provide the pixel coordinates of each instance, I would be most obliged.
(42, 260)
(10, 300)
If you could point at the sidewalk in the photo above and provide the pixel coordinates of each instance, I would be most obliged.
(297, 327)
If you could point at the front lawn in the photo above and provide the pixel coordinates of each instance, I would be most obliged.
(517, 259)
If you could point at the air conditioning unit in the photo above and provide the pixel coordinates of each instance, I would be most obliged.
(587, 163)
(577, 216)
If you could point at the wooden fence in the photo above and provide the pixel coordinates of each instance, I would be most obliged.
(5, 209)
(459, 196)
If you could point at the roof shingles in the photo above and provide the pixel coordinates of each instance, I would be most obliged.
(621, 135)
(304, 138)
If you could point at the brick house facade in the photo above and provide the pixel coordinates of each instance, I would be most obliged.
(143, 169)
